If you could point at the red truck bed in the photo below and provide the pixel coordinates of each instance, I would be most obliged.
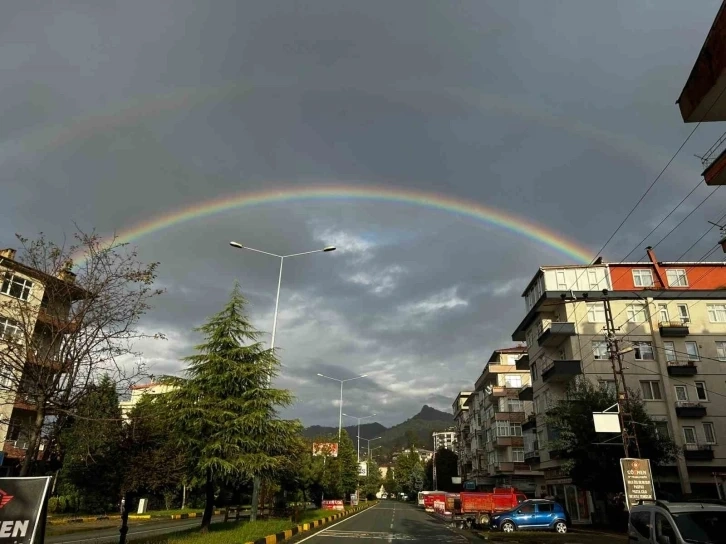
(478, 507)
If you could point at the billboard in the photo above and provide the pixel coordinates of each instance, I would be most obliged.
(638, 481)
(21, 506)
(363, 468)
(329, 449)
(333, 505)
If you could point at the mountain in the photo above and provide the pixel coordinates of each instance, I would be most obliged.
(367, 430)
(432, 414)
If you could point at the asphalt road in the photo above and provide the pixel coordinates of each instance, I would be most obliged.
(143, 530)
(388, 521)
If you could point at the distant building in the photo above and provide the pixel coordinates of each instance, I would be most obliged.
(138, 392)
(445, 439)
(424, 455)
(462, 429)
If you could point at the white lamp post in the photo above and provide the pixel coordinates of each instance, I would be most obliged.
(359, 420)
(340, 414)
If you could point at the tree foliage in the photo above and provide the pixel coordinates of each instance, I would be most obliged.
(409, 473)
(572, 419)
(389, 483)
(373, 480)
(446, 468)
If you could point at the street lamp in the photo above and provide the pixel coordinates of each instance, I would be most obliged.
(359, 420)
(340, 416)
(369, 440)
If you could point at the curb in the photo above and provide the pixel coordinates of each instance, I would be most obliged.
(289, 533)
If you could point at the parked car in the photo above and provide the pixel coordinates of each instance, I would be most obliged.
(534, 514)
(663, 522)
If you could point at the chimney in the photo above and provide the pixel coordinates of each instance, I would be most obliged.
(65, 273)
(8, 253)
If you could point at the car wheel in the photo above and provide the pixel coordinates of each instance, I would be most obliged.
(484, 520)
(508, 527)
(561, 527)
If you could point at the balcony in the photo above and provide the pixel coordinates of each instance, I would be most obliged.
(531, 457)
(59, 324)
(698, 452)
(553, 333)
(530, 423)
(692, 410)
(526, 393)
(560, 371)
(509, 466)
(673, 329)
(682, 368)
(522, 363)
(17, 449)
(507, 392)
(513, 417)
(506, 441)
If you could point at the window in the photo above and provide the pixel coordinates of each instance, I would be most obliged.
(544, 507)
(677, 277)
(670, 351)
(717, 313)
(518, 455)
(683, 313)
(692, 351)
(595, 312)
(533, 371)
(681, 393)
(663, 313)
(651, 390)
(641, 523)
(600, 350)
(526, 509)
(636, 313)
(592, 279)
(701, 392)
(661, 429)
(561, 283)
(643, 351)
(513, 381)
(10, 330)
(709, 433)
(643, 278)
(515, 429)
(515, 405)
(663, 528)
(721, 351)
(15, 286)
(608, 385)
(689, 435)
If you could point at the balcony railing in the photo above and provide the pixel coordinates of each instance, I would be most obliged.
(682, 368)
(698, 452)
(561, 370)
(553, 333)
(526, 393)
(674, 329)
(508, 392)
(688, 409)
(530, 422)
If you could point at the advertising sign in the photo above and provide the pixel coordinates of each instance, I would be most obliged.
(354, 499)
(329, 449)
(21, 507)
(333, 505)
(363, 468)
(638, 481)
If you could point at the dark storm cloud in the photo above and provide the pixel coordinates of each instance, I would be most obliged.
(561, 114)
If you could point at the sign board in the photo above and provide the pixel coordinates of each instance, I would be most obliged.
(363, 468)
(606, 422)
(456, 479)
(329, 449)
(470, 485)
(333, 505)
(354, 499)
(21, 508)
(638, 481)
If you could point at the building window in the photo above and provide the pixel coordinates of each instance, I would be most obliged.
(670, 351)
(515, 405)
(642, 278)
(636, 313)
(681, 393)
(533, 371)
(661, 429)
(10, 330)
(709, 433)
(608, 385)
(502, 428)
(651, 390)
(677, 277)
(683, 313)
(595, 312)
(513, 380)
(692, 351)
(518, 455)
(701, 392)
(600, 350)
(643, 351)
(592, 279)
(717, 313)
(663, 313)
(689, 435)
(15, 286)
(561, 282)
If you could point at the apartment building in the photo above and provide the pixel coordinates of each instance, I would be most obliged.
(445, 439)
(138, 392)
(34, 310)
(462, 429)
(673, 315)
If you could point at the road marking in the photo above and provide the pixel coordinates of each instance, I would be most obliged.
(334, 524)
(370, 535)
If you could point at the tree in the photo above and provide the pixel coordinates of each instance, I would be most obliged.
(446, 468)
(64, 328)
(390, 484)
(572, 419)
(225, 411)
(409, 472)
(372, 482)
(91, 445)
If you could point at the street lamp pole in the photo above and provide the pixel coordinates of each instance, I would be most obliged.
(369, 440)
(359, 420)
(340, 412)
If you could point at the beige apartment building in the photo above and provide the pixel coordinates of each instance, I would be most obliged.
(140, 391)
(34, 310)
(673, 317)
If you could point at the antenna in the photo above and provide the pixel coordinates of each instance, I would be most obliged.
(722, 239)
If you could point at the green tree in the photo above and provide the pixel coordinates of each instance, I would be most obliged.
(373, 480)
(446, 468)
(409, 472)
(390, 484)
(91, 447)
(573, 437)
(225, 412)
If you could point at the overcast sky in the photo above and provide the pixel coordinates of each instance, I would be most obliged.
(559, 112)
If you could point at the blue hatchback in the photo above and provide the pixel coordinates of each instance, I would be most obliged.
(532, 515)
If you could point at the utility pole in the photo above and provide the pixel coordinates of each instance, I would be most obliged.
(621, 388)
(433, 477)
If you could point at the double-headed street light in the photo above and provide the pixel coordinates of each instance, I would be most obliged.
(369, 440)
(359, 420)
(341, 382)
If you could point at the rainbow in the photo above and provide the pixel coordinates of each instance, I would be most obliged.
(467, 209)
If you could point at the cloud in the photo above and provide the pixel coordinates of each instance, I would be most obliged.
(378, 282)
(448, 299)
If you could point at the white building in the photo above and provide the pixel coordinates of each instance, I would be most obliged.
(445, 439)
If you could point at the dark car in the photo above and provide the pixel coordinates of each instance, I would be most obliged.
(536, 514)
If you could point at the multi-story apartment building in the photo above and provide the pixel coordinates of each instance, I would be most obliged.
(673, 315)
(445, 439)
(34, 309)
(462, 428)
(138, 392)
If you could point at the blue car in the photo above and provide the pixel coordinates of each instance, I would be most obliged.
(532, 515)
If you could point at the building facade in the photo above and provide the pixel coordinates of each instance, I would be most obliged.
(445, 439)
(138, 392)
(462, 429)
(673, 317)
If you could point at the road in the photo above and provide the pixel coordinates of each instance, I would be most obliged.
(142, 530)
(388, 521)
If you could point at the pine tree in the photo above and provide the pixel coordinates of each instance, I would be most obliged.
(225, 412)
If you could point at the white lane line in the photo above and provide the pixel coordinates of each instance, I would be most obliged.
(334, 524)
(131, 533)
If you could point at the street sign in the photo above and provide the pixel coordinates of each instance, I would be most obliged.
(470, 485)
(363, 468)
(638, 481)
(21, 507)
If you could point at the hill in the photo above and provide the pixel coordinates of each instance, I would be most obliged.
(367, 430)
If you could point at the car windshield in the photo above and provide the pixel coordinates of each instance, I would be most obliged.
(702, 527)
